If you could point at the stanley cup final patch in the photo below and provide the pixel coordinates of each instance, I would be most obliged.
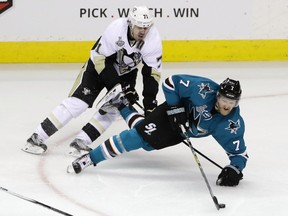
(5, 5)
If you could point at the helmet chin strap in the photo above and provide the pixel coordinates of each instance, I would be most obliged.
(216, 104)
(130, 33)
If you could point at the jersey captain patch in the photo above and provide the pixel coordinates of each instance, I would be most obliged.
(233, 126)
(204, 89)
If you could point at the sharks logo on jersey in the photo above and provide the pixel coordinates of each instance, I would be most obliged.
(202, 111)
(204, 89)
(195, 127)
(233, 126)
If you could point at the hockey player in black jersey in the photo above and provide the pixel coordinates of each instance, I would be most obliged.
(115, 58)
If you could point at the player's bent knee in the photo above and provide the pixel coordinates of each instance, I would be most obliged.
(131, 140)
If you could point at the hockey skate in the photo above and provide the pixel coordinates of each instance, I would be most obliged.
(79, 164)
(112, 100)
(78, 148)
(35, 145)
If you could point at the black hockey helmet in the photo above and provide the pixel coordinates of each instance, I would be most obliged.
(231, 89)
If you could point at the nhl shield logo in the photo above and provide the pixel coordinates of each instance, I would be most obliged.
(5, 5)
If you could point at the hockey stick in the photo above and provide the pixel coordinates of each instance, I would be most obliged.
(35, 202)
(138, 104)
(207, 158)
(214, 198)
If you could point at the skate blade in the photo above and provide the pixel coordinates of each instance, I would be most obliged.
(37, 150)
(70, 169)
(75, 153)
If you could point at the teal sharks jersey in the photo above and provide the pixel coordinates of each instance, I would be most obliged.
(198, 95)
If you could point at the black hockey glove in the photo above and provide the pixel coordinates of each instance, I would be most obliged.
(130, 93)
(230, 176)
(177, 116)
(150, 107)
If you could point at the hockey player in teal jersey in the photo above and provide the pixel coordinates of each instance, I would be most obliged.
(201, 105)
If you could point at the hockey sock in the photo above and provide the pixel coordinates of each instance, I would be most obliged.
(131, 116)
(128, 140)
(98, 124)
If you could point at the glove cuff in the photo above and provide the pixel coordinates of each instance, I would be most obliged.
(175, 110)
(234, 168)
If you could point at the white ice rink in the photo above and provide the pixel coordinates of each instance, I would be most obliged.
(140, 183)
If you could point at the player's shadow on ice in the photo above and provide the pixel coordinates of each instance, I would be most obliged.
(144, 166)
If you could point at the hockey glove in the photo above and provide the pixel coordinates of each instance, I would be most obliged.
(230, 176)
(150, 107)
(130, 93)
(177, 116)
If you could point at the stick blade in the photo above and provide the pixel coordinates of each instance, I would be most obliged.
(218, 206)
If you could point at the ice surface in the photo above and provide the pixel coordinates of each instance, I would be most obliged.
(139, 183)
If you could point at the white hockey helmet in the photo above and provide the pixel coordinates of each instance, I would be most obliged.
(140, 16)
